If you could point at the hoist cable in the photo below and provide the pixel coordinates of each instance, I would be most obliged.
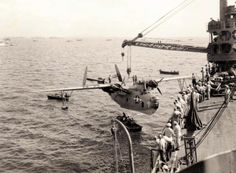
(166, 17)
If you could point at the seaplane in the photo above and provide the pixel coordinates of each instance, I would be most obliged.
(138, 97)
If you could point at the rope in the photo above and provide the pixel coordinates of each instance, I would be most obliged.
(211, 124)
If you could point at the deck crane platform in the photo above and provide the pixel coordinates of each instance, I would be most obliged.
(159, 45)
(221, 50)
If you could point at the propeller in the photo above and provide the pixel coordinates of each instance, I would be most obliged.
(123, 81)
(85, 76)
(154, 84)
(158, 89)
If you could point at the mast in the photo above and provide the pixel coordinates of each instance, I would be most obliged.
(223, 5)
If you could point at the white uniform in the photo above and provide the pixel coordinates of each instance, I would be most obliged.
(168, 134)
(177, 131)
(161, 143)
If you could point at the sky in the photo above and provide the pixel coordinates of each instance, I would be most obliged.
(103, 18)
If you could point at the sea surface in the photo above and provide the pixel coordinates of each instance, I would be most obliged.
(37, 136)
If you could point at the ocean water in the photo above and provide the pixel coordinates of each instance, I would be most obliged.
(37, 136)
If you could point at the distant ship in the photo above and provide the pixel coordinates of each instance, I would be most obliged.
(5, 42)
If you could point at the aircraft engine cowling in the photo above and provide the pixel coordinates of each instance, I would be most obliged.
(155, 102)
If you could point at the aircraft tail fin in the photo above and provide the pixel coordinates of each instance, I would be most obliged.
(85, 76)
(118, 73)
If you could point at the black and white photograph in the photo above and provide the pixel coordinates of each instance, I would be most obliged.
(117, 86)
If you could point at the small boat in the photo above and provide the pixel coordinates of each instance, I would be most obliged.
(129, 123)
(64, 107)
(58, 97)
(169, 72)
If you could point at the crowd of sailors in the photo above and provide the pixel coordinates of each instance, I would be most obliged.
(185, 104)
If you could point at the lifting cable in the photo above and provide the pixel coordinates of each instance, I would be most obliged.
(165, 17)
(153, 26)
(129, 61)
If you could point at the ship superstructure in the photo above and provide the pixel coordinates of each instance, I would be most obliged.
(222, 46)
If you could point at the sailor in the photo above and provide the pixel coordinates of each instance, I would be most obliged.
(207, 73)
(168, 135)
(161, 145)
(203, 76)
(194, 81)
(213, 69)
(208, 89)
(124, 117)
(227, 95)
(196, 97)
(109, 79)
(176, 116)
(185, 97)
(177, 131)
(179, 107)
(133, 78)
(202, 90)
(183, 103)
(232, 91)
(136, 99)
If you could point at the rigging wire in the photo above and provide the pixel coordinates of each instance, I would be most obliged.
(166, 17)
(212, 124)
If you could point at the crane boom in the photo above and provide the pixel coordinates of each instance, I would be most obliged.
(164, 46)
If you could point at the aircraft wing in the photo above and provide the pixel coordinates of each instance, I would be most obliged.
(100, 86)
(175, 78)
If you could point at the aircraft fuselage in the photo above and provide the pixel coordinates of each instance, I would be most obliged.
(135, 99)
